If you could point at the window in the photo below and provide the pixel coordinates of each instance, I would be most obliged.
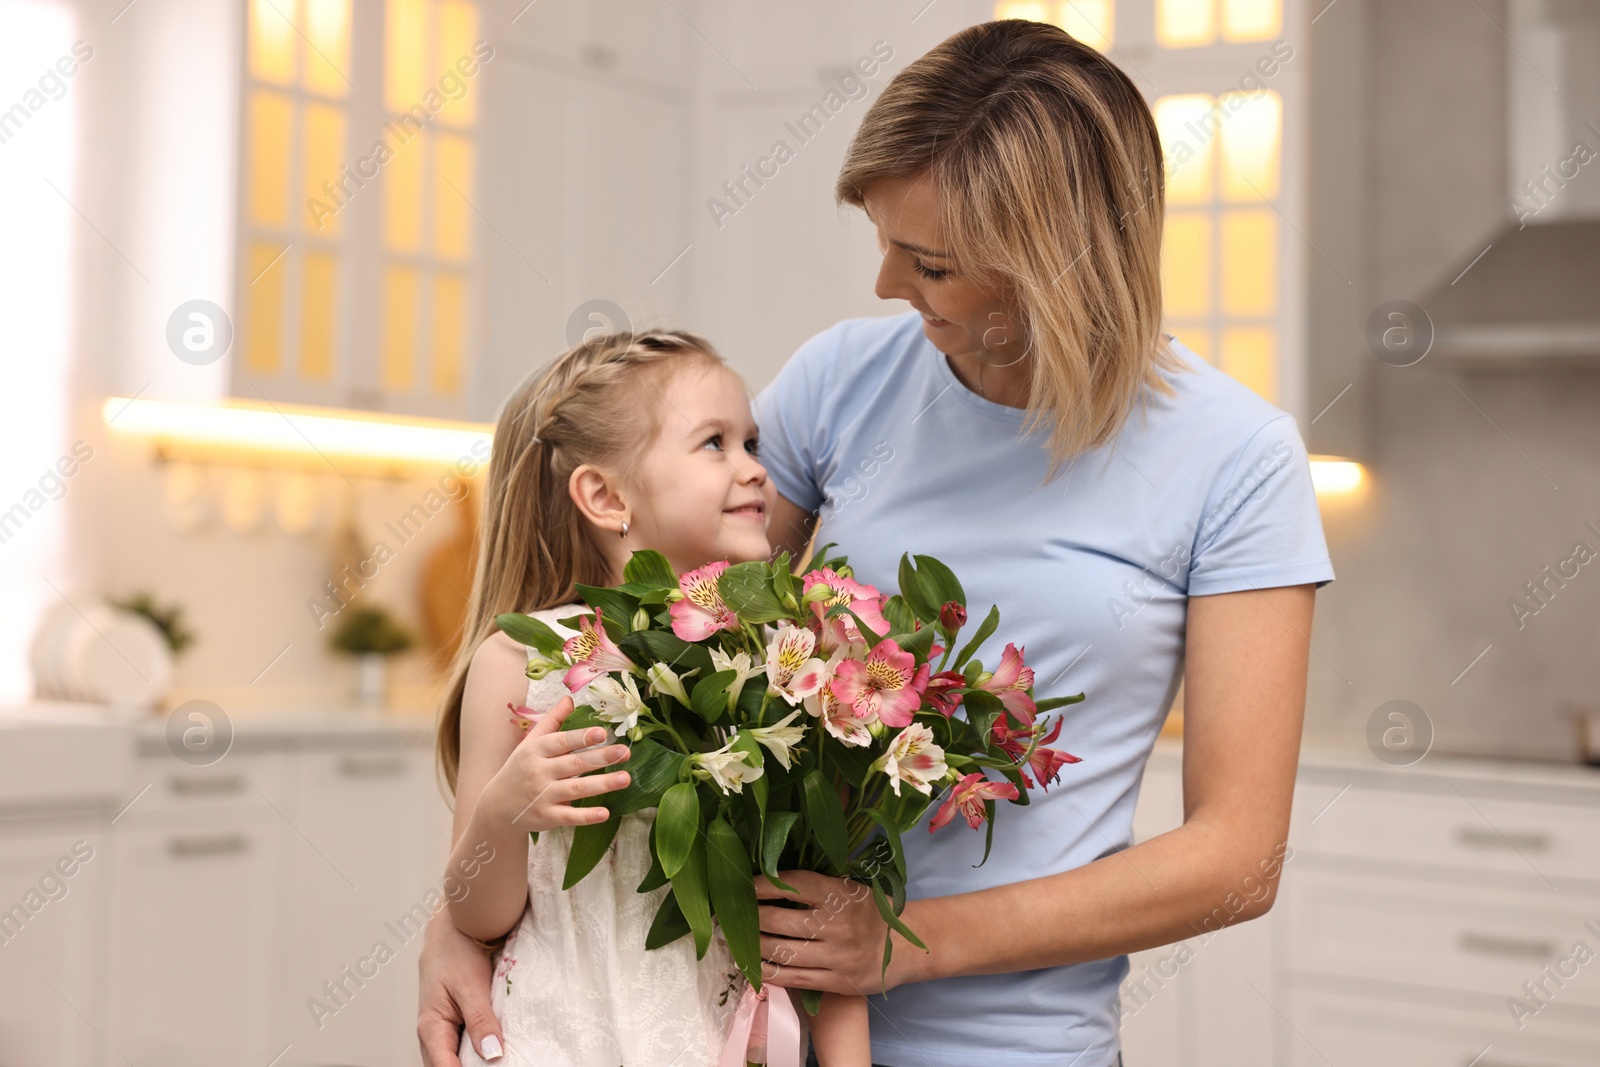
(1090, 21)
(356, 224)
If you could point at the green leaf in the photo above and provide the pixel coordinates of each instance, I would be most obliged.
(652, 769)
(583, 717)
(811, 1000)
(892, 835)
(747, 744)
(589, 844)
(854, 760)
(902, 617)
(689, 887)
(893, 919)
(668, 925)
(747, 589)
(988, 831)
(677, 825)
(783, 579)
(649, 567)
(918, 643)
(709, 697)
(825, 817)
(655, 877)
(616, 608)
(733, 895)
(658, 646)
(915, 588)
(774, 835)
(535, 633)
(990, 622)
(941, 583)
(1042, 706)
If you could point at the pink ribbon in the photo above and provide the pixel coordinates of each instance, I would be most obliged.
(764, 1031)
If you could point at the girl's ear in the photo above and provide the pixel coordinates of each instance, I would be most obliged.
(598, 497)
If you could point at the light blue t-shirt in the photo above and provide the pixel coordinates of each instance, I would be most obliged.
(1209, 492)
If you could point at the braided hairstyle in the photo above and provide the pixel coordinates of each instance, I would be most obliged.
(596, 403)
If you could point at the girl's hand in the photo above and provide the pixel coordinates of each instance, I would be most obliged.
(536, 786)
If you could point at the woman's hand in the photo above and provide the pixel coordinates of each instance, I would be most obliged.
(835, 944)
(535, 788)
(453, 986)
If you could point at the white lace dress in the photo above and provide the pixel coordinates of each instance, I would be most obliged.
(574, 985)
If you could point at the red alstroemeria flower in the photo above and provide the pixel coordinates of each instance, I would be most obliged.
(1009, 684)
(968, 797)
(939, 692)
(593, 653)
(1045, 762)
(701, 612)
(888, 685)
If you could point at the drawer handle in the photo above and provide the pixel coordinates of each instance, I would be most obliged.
(186, 848)
(1520, 840)
(1499, 1063)
(206, 787)
(1500, 945)
(372, 767)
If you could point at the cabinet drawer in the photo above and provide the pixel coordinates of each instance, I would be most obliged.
(1357, 1032)
(232, 782)
(1540, 840)
(1469, 940)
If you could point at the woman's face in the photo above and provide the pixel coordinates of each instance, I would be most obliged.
(959, 317)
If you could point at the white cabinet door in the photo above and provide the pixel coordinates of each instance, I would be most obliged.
(373, 838)
(190, 968)
(53, 881)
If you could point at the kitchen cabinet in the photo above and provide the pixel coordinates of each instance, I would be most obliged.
(220, 899)
(1438, 915)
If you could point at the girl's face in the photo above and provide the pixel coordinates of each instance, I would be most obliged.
(701, 493)
(959, 317)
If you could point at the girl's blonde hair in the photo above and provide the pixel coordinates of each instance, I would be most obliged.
(597, 403)
(1049, 173)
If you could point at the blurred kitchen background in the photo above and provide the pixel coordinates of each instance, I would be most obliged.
(271, 266)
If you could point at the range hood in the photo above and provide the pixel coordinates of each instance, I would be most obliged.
(1532, 297)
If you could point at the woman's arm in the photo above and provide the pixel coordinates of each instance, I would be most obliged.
(1244, 701)
(840, 1032)
(789, 528)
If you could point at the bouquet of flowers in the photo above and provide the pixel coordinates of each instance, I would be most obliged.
(783, 721)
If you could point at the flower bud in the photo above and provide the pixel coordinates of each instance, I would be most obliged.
(789, 603)
(641, 620)
(952, 616)
(816, 594)
(983, 676)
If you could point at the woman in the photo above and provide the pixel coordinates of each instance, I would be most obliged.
(1015, 180)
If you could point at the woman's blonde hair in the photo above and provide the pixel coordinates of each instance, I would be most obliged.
(597, 403)
(1049, 172)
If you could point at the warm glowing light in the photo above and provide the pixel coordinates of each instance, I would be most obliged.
(1332, 475)
(297, 430)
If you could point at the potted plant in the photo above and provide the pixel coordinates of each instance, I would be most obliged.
(372, 635)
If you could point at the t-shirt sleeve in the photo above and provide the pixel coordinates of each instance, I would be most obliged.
(1262, 527)
(789, 412)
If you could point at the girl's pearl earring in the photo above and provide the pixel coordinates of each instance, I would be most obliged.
(624, 527)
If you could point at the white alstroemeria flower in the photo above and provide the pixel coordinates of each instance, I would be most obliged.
(913, 758)
(740, 662)
(780, 737)
(840, 719)
(664, 680)
(617, 702)
(792, 671)
(729, 769)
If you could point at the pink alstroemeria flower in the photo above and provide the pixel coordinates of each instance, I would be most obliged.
(792, 671)
(913, 758)
(864, 600)
(888, 685)
(702, 612)
(1045, 762)
(839, 719)
(593, 653)
(968, 797)
(523, 717)
(1009, 682)
(939, 692)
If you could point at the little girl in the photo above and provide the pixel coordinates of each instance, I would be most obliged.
(624, 442)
